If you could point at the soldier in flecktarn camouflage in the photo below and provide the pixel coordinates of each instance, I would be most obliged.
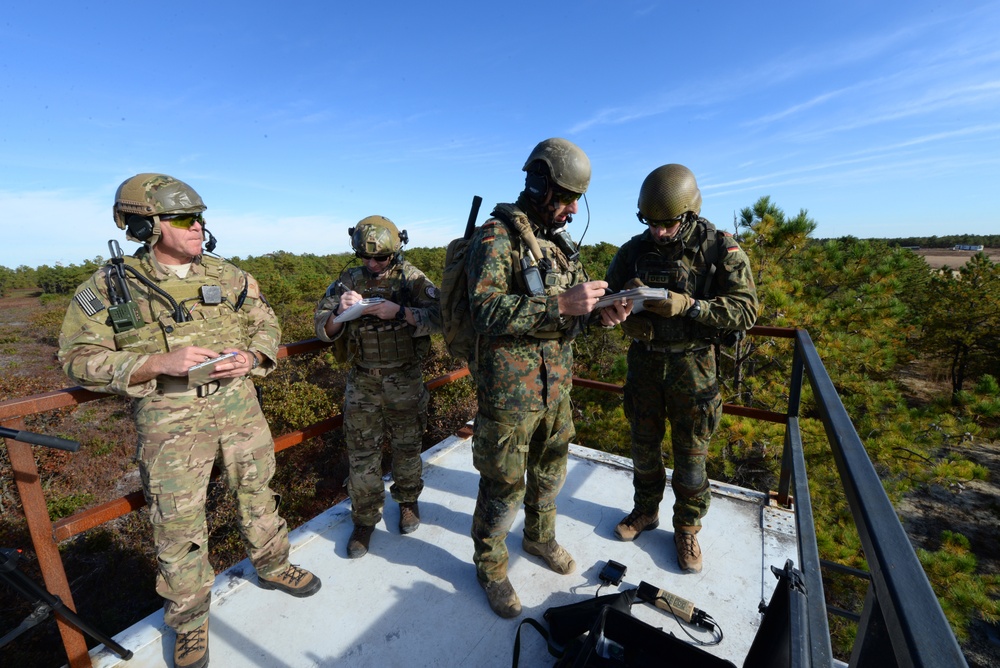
(385, 392)
(529, 296)
(137, 328)
(671, 360)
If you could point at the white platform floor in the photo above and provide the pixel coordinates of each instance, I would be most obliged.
(413, 600)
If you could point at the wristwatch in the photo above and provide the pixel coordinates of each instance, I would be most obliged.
(695, 310)
(254, 363)
(402, 313)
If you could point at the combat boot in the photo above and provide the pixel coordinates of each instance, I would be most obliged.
(409, 517)
(295, 581)
(688, 550)
(635, 523)
(357, 546)
(553, 553)
(191, 648)
(502, 597)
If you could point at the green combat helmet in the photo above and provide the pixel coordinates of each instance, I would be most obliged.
(667, 193)
(569, 166)
(146, 196)
(376, 236)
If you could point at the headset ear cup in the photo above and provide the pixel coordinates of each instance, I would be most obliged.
(139, 227)
(536, 184)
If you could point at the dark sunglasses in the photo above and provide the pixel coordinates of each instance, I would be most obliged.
(670, 222)
(566, 196)
(377, 258)
(184, 221)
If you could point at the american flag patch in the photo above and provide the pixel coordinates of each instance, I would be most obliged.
(89, 302)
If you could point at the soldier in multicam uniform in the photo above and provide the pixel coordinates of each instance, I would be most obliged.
(671, 361)
(385, 390)
(529, 294)
(134, 329)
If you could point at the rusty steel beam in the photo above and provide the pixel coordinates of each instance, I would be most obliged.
(29, 487)
(449, 377)
(92, 517)
(296, 437)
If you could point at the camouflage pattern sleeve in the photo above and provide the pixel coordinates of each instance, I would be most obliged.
(734, 305)
(262, 325)
(496, 308)
(423, 300)
(328, 304)
(87, 349)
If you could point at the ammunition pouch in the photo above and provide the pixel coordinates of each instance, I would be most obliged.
(385, 341)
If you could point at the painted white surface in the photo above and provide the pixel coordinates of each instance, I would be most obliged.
(414, 601)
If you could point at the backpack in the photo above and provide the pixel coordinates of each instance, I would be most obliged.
(460, 337)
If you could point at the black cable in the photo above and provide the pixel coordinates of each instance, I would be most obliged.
(180, 315)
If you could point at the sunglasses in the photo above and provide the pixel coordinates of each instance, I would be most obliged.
(184, 221)
(670, 222)
(377, 258)
(566, 197)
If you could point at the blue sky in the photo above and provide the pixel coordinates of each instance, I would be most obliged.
(294, 120)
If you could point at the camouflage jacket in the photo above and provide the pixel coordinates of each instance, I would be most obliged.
(525, 357)
(99, 359)
(403, 284)
(725, 291)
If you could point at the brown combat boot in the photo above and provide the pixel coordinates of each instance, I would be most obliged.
(553, 553)
(357, 546)
(409, 517)
(191, 648)
(635, 523)
(688, 550)
(295, 581)
(502, 597)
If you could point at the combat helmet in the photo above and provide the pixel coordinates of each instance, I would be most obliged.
(148, 196)
(376, 235)
(667, 193)
(568, 165)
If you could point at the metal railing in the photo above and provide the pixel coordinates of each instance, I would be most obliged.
(901, 624)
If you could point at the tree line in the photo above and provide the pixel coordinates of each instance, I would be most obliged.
(872, 308)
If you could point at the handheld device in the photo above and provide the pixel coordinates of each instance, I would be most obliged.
(613, 572)
(199, 373)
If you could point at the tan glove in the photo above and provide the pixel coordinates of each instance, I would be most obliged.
(677, 304)
(633, 283)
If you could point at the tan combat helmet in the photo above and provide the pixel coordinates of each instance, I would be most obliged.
(667, 193)
(569, 166)
(375, 236)
(148, 196)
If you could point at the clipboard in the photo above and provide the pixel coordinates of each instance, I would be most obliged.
(637, 295)
(356, 311)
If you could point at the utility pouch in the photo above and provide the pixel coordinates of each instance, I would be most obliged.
(640, 329)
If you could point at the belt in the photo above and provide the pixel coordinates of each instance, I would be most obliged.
(178, 387)
(672, 349)
(372, 372)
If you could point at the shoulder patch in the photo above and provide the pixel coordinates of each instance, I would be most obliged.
(432, 292)
(89, 302)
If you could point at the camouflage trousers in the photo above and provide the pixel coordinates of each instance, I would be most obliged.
(394, 403)
(180, 437)
(680, 388)
(520, 456)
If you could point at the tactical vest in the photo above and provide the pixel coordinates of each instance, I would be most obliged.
(214, 326)
(376, 342)
(558, 272)
(686, 266)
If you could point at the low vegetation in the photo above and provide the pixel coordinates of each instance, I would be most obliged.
(913, 352)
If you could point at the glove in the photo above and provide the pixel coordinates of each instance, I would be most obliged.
(633, 283)
(677, 304)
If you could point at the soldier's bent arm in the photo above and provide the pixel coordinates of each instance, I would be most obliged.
(262, 326)
(734, 304)
(87, 348)
(495, 311)
(424, 302)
